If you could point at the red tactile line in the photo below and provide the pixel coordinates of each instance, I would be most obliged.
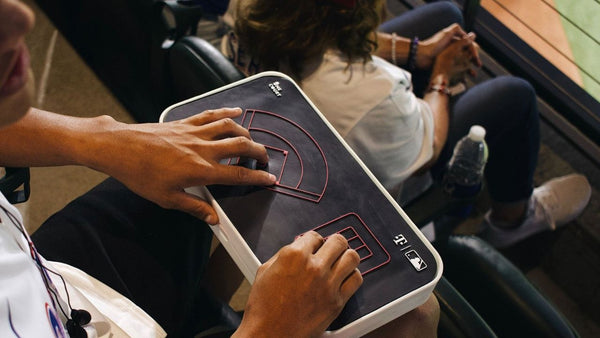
(387, 260)
(294, 190)
(356, 236)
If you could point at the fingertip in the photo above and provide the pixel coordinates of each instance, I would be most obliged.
(338, 235)
(360, 277)
(229, 111)
(211, 219)
(355, 253)
(263, 161)
(316, 235)
(265, 178)
(352, 283)
(456, 26)
(196, 207)
(312, 237)
(232, 112)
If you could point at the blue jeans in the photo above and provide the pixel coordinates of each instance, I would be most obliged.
(505, 106)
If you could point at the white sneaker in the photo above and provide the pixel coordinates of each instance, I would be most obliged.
(553, 204)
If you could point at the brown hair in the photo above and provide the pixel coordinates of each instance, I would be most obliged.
(293, 32)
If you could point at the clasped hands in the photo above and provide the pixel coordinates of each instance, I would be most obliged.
(451, 51)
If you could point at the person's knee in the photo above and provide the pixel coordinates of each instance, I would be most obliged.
(515, 87)
(426, 315)
(420, 322)
(518, 96)
(451, 12)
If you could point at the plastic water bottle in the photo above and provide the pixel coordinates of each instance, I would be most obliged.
(464, 173)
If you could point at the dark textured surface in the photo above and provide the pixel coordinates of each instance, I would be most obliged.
(325, 189)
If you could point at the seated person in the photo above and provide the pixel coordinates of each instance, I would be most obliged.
(132, 265)
(330, 48)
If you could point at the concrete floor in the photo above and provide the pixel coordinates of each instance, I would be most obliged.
(66, 85)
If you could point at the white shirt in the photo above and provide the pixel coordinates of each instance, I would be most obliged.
(28, 309)
(371, 105)
(374, 109)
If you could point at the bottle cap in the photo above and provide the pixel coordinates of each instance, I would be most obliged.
(477, 133)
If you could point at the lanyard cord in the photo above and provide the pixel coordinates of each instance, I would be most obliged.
(43, 270)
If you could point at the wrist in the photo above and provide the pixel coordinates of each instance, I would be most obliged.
(95, 143)
(441, 88)
(424, 58)
(439, 84)
(440, 70)
(413, 50)
(387, 42)
(439, 78)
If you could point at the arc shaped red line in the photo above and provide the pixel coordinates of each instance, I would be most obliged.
(256, 111)
(289, 144)
(315, 200)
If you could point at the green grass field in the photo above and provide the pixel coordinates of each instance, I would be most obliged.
(578, 15)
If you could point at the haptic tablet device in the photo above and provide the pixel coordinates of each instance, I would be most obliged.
(322, 186)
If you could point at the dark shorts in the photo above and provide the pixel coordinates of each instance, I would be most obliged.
(153, 256)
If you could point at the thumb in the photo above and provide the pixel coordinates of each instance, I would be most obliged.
(456, 31)
(196, 207)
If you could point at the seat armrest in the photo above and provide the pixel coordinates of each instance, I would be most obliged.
(502, 295)
(457, 317)
(11, 181)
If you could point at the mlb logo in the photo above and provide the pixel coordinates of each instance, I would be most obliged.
(415, 260)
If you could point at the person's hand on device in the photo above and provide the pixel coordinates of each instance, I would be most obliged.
(157, 161)
(302, 288)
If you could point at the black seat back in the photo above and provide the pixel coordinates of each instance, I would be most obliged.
(195, 67)
(11, 181)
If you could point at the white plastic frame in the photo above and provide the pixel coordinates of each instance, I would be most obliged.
(248, 263)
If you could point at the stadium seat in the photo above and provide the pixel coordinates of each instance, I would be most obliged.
(481, 295)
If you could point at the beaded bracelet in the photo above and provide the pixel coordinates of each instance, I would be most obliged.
(412, 54)
(394, 36)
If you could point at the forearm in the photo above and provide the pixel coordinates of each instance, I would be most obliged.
(452, 63)
(42, 138)
(142, 156)
(438, 102)
(384, 47)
